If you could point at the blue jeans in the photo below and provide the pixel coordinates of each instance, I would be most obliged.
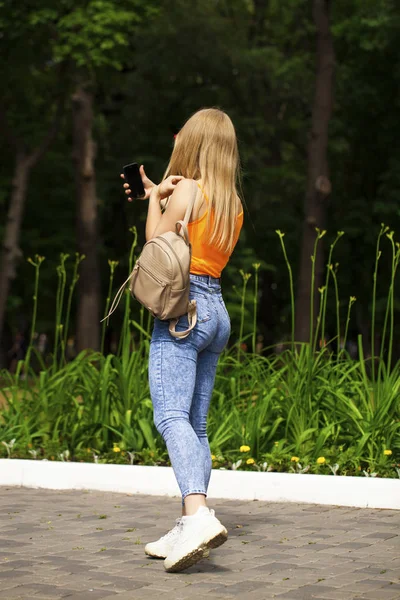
(181, 376)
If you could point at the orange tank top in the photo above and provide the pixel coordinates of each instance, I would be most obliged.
(207, 259)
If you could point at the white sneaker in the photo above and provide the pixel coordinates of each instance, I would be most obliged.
(198, 532)
(162, 547)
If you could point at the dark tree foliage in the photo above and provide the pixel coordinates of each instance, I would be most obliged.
(257, 61)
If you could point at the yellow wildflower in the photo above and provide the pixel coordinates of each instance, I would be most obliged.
(321, 460)
(213, 457)
(244, 448)
(116, 449)
(295, 459)
(387, 452)
(250, 461)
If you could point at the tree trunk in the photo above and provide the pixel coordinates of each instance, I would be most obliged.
(318, 183)
(88, 320)
(25, 161)
(11, 253)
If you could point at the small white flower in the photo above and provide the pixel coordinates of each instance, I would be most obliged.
(9, 446)
(334, 468)
(370, 474)
(64, 456)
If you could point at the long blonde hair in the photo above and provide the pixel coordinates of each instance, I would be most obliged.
(206, 149)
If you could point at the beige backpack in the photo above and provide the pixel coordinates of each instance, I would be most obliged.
(160, 278)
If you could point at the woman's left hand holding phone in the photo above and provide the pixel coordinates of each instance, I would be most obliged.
(147, 184)
(164, 189)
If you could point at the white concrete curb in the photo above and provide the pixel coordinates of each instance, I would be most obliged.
(363, 492)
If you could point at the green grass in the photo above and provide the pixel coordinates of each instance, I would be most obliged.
(303, 410)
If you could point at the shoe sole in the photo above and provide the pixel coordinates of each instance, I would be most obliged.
(206, 554)
(154, 555)
(197, 554)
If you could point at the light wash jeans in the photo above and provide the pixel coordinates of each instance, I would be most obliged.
(181, 375)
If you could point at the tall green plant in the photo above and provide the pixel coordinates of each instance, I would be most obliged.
(36, 264)
(58, 328)
(245, 278)
(291, 287)
(389, 313)
(378, 253)
(326, 287)
(320, 235)
(256, 267)
(126, 335)
(333, 269)
(74, 280)
(112, 264)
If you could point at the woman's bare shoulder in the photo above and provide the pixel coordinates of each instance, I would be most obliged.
(184, 185)
(181, 194)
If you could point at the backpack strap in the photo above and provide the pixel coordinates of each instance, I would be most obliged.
(192, 319)
(192, 307)
(181, 226)
(117, 299)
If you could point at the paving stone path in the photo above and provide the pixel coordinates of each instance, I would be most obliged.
(89, 545)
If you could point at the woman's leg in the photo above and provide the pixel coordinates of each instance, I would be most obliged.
(205, 378)
(172, 375)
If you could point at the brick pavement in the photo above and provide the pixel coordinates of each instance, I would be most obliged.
(89, 545)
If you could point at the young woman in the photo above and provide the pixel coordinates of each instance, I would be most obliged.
(182, 371)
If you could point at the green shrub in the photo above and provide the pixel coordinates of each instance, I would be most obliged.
(303, 410)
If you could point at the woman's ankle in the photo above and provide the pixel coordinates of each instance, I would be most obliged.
(192, 503)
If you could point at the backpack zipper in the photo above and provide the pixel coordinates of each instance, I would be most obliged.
(162, 283)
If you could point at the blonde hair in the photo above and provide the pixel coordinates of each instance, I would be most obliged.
(206, 148)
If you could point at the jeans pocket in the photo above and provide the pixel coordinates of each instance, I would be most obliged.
(203, 306)
(221, 301)
(203, 315)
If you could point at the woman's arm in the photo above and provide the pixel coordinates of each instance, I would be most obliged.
(174, 187)
(158, 222)
(153, 213)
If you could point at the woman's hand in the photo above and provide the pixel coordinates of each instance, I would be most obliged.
(168, 185)
(165, 189)
(147, 184)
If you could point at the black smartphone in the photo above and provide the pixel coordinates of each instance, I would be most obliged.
(133, 178)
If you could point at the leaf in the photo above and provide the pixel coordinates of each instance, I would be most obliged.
(147, 432)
